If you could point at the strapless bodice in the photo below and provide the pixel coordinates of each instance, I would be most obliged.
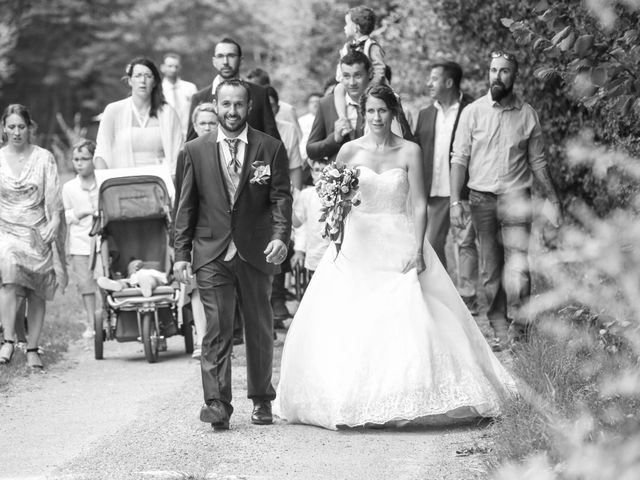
(384, 192)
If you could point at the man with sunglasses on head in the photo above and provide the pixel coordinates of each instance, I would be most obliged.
(499, 141)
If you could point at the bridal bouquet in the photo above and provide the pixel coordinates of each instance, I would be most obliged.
(337, 188)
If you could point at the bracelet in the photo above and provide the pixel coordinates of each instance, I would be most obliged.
(453, 204)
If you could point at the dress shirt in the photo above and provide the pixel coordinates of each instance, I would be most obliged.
(445, 121)
(305, 122)
(227, 158)
(215, 83)
(75, 197)
(178, 95)
(224, 147)
(501, 146)
(289, 135)
(352, 110)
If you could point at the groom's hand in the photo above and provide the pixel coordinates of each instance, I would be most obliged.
(276, 252)
(182, 272)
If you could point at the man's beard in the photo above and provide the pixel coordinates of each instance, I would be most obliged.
(222, 120)
(499, 90)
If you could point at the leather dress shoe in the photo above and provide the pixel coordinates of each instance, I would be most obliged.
(216, 414)
(262, 413)
(280, 311)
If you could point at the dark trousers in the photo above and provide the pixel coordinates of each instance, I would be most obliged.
(503, 228)
(438, 225)
(219, 282)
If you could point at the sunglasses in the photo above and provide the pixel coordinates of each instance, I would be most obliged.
(508, 56)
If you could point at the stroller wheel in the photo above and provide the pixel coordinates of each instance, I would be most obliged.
(150, 338)
(98, 338)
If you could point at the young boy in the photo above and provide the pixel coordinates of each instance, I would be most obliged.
(310, 244)
(80, 198)
(359, 23)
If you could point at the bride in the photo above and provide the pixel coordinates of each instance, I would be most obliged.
(381, 336)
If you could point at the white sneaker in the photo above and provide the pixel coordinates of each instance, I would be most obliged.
(197, 352)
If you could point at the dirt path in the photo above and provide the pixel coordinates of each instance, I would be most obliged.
(122, 418)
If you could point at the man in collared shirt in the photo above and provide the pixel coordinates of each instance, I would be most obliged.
(177, 92)
(435, 132)
(499, 141)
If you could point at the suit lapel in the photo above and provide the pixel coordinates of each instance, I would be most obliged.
(250, 155)
(214, 164)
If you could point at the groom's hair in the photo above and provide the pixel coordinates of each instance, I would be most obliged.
(232, 42)
(234, 82)
(354, 57)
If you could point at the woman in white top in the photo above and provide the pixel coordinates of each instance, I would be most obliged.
(142, 129)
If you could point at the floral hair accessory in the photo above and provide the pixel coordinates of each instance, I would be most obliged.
(337, 188)
(261, 173)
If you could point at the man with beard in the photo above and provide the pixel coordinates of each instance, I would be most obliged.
(227, 57)
(499, 141)
(235, 211)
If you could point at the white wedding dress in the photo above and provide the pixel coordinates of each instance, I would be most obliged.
(372, 345)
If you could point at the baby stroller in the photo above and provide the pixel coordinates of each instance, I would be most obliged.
(133, 222)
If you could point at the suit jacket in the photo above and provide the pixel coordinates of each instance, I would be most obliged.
(321, 143)
(260, 116)
(425, 136)
(207, 221)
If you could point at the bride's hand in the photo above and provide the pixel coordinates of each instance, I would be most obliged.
(417, 262)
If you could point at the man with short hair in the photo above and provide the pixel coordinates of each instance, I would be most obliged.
(234, 213)
(177, 92)
(434, 133)
(227, 58)
(499, 140)
(329, 132)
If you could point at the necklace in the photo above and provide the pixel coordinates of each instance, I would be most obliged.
(142, 119)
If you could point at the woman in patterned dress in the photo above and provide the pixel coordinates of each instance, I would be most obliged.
(30, 205)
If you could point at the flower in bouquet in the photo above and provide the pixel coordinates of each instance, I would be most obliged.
(337, 188)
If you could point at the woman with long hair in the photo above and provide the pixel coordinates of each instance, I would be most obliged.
(30, 205)
(142, 129)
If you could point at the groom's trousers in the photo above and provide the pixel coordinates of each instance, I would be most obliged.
(218, 282)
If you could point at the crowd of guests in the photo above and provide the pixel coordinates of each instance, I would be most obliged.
(480, 157)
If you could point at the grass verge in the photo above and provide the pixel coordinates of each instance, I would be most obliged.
(63, 324)
(568, 413)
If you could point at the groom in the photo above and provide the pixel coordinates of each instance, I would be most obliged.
(235, 210)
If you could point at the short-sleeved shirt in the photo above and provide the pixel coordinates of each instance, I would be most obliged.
(501, 146)
(75, 197)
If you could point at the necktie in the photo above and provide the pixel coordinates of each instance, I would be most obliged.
(359, 124)
(233, 149)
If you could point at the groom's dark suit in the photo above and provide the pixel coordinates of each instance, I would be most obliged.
(322, 144)
(208, 219)
(260, 116)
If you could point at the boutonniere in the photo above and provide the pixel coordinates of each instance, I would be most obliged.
(261, 173)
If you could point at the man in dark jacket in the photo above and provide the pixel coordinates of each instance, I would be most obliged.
(435, 132)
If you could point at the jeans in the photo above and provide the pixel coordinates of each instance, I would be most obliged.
(466, 254)
(503, 228)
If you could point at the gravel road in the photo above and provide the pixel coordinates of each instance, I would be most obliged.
(122, 418)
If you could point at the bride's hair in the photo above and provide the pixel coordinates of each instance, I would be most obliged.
(384, 93)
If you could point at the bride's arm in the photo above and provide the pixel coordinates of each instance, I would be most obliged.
(415, 172)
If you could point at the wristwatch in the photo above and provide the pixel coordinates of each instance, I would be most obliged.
(453, 204)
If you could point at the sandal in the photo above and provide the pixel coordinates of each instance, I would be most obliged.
(6, 352)
(33, 358)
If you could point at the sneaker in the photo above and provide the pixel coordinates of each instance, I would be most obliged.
(197, 352)
(88, 333)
